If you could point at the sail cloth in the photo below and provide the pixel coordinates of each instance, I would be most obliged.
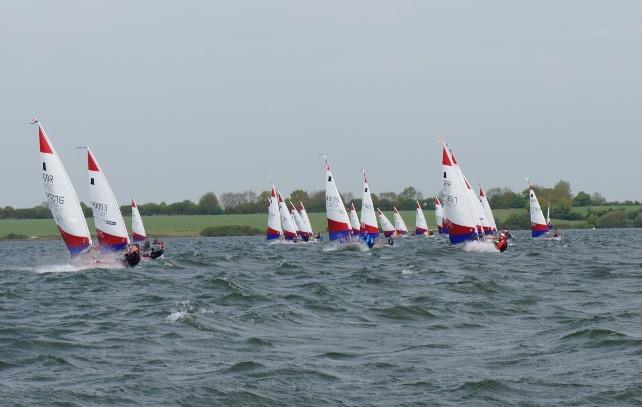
(439, 218)
(62, 199)
(306, 219)
(400, 225)
(298, 220)
(110, 226)
(458, 216)
(138, 229)
(539, 226)
(274, 230)
(287, 222)
(421, 227)
(368, 224)
(386, 225)
(487, 210)
(354, 221)
(338, 221)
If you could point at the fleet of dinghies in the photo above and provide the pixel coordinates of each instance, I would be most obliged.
(65, 208)
(464, 216)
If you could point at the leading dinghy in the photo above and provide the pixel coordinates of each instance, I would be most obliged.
(61, 198)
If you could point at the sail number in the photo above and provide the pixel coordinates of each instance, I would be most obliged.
(56, 199)
(47, 177)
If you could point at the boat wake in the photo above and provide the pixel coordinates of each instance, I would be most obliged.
(353, 245)
(480, 246)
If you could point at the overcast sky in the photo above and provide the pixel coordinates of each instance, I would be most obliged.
(180, 98)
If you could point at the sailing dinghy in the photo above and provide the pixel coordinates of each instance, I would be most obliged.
(539, 227)
(298, 221)
(338, 220)
(354, 221)
(273, 230)
(458, 215)
(400, 226)
(488, 211)
(439, 218)
(110, 226)
(368, 225)
(386, 225)
(421, 227)
(287, 223)
(138, 229)
(306, 220)
(62, 199)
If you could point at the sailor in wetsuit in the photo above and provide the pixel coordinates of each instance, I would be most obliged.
(132, 256)
(157, 249)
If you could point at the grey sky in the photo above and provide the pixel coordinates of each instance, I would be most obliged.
(180, 98)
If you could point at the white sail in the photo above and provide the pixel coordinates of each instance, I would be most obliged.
(458, 215)
(439, 218)
(548, 216)
(421, 227)
(110, 226)
(368, 224)
(61, 198)
(289, 228)
(354, 220)
(484, 226)
(338, 221)
(306, 219)
(489, 212)
(274, 230)
(138, 229)
(386, 225)
(400, 225)
(298, 220)
(539, 226)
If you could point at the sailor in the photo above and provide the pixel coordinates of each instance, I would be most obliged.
(390, 241)
(501, 244)
(157, 249)
(132, 256)
(556, 233)
(370, 241)
(146, 246)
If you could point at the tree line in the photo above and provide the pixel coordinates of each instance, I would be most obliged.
(559, 196)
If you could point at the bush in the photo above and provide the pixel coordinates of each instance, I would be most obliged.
(232, 230)
(613, 219)
(13, 236)
(520, 220)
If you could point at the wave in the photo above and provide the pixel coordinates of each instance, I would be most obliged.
(478, 246)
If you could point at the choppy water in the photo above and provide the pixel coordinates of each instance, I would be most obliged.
(234, 321)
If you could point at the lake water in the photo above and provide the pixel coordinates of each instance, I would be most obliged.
(237, 321)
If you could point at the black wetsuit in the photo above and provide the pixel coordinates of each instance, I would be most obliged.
(131, 259)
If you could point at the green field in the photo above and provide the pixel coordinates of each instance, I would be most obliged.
(189, 225)
(192, 225)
